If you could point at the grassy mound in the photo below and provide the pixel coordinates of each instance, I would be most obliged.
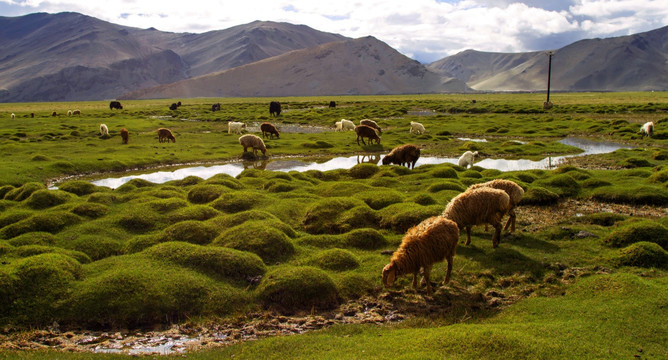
(536, 195)
(363, 171)
(96, 247)
(190, 231)
(335, 259)
(367, 239)
(634, 195)
(401, 217)
(139, 219)
(193, 212)
(289, 289)
(90, 210)
(328, 216)
(643, 254)
(42, 199)
(638, 231)
(202, 194)
(33, 238)
(51, 222)
(80, 187)
(23, 192)
(270, 244)
(215, 261)
(563, 185)
(238, 201)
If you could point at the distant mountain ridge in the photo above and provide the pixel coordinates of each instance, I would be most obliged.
(636, 62)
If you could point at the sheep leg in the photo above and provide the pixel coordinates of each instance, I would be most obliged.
(447, 274)
(427, 270)
(511, 221)
(415, 281)
(497, 234)
(468, 235)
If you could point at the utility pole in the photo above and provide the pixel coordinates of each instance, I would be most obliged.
(547, 104)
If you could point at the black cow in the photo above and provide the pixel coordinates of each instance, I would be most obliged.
(215, 107)
(332, 104)
(275, 108)
(115, 105)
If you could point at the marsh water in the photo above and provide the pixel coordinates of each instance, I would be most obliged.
(589, 147)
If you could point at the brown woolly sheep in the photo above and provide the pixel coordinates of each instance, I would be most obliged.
(514, 191)
(164, 135)
(364, 131)
(431, 241)
(373, 124)
(252, 141)
(269, 129)
(476, 207)
(125, 134)
(405, 154)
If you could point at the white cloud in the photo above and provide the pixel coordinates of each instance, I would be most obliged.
(429, 28)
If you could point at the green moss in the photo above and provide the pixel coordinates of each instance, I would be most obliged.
(190, 231)
(638, 231)
(335, 260)
(401, 217)
(659, 176)
(593, 183)
(422, 199)
(202, 194)
(603, 219)
(536, 195)
(167, 205)
(380, 198)
(23, 192)
(80, 187)
(363, 171)
(90, 210)
(237, 201)
(324, 216)
(33, 238)
(634, 162)
(140, 243)
(643, 254)
(446, 185)
(216, 261)
(636, 195)
(42, 199)
(51, 222)
(193, 212)
(367, 239)
(103, 198)
(563, 185)
(32, 250)
(288, 289)
(270, 244)
(139, 219)
(5, 189)
(445, 173)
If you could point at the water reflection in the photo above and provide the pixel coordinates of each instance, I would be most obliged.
(234, 169)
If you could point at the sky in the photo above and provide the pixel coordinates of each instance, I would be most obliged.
(425, 30)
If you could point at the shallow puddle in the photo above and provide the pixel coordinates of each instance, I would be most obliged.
(233, 169)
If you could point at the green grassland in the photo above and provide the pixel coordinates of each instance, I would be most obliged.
(197, 251)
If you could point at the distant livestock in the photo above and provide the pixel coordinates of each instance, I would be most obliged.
(125, 134)
(69, 112)
(54, 114)
(173, 106)
(235, 127)
(215, 107)
(433, 240)
(332, 104)
(269, 129)
(403, 155)
(115, 105)
(339, 126)
(104, 130)
(467, 159)
(347, 125)
(647, 129)
(373, 124)
(165, 135)
(76, 112)
(275, 108)
(12, 116)
(364, 131)
(416, 128)
(254, 142)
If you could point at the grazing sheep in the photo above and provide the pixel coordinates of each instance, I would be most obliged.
(339, 126)
(12, 116)
(269, 129)
(373, 124)
(76, 112)
(647, 129)
(431, 241)
(514, 191)
(235, 127)
(332, 104)
(347, 125)
(477, 207)
(69, 112)
(416, 128)
(125, 134)
(173, 106)
(104, 130)
(215, 107)
(32, 115)
(164, 135)
(405, 154)
(54, 114)
(364, 131)
(467, 159)
(252, 141)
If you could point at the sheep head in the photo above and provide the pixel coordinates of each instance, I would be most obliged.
(389, 274)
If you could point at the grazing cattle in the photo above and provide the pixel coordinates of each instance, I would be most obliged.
(269, 129)
(125, 134)
(332, 104)
(173, 106)
(164, 135)
(115, 105)
(215, 107)
(275, 108)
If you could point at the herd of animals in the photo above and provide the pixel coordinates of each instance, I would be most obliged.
(434, 239)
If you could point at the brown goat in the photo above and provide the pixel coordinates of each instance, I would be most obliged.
(365, 131)
(476, 207)
(164, 135)
(270, 129)
(514, 191)
(405, 154)
(373, 124)
(431, 241)
(125, 134)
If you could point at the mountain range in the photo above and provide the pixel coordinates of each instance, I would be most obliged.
(74, 57)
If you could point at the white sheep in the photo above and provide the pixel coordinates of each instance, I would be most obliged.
(647, 129)
(69, 112)
(252, 141)
(476, 207)
(467, 159)
(416, 128)
(347, 125)
(104, 130)
(76, 112)
(235, 127)
(338, 125)
(13, 116)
